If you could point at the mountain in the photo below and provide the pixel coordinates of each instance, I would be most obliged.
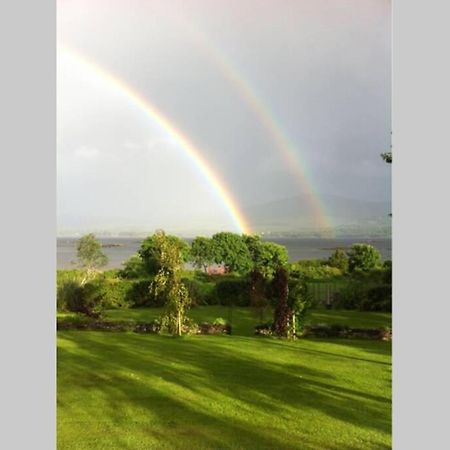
(344, 216)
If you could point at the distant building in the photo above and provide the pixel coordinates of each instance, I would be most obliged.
(216, 270)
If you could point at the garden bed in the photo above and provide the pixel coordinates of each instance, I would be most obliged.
(334, 331)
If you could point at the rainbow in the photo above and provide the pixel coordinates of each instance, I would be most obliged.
(287, 149)
(209, 174)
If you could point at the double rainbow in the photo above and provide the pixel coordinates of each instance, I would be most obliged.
(197, 157)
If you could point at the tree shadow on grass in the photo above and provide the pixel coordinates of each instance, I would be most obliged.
(217, 396)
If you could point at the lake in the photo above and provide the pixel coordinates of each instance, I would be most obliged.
(120, 249)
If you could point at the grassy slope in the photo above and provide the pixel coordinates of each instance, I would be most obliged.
(129, 391)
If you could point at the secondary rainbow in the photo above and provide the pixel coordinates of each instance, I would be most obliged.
(284, 145)
(210, 175)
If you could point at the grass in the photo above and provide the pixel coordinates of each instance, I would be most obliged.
(244, 320)
(130, 391)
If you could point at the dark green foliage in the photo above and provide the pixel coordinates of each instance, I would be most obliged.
(351, 295)
(258, 293)
(364, 296)
(230, 250)
(233, 292)
(150, 252)
(339, 260)
(379, 298)
(139, 295)
(363, 257)
(201, 292)
(280, 290)
(86, 299)
(134, 267)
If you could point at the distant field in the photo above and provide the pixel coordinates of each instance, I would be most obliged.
(131, 391)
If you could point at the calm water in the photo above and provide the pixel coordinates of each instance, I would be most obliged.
(122, 248)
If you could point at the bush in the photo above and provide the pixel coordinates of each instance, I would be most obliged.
(139, 295)
(134, 267)
(116, 292)
(310, 270)
(350, 296)
(86, 299)
(200, 292)
(233, 291)
(379, 298)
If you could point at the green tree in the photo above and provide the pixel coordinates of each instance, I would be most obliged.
(90, 255)
(230, 250)
(202, 254)
(282, 312)
(150, 251)
(299, 301)
(266, 257)
(167, 282)
(339, 260)
(363, 257)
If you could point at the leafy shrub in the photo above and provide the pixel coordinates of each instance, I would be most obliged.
(233, 291)
(201, 292)
(86, 299)
(379, 298)
(310, 270)
(134, 267)
(116, 292)
(139, 295)
(350, 296)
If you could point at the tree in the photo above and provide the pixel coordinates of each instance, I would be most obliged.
(202, 254)
(363, 257)
(339, 260)
(282, 313)
(90, 255)
(150, 251)
(298, 302)
(167, 282)
(230, 250)
(265, 256)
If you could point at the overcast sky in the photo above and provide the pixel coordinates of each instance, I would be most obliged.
(321, 67)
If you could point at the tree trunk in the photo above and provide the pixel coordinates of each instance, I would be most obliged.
(294, 331)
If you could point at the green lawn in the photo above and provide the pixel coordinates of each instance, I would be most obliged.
(244, 320)
(131, 391)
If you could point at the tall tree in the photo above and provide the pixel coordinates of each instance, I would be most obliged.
(167, 282)
(282, 313)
